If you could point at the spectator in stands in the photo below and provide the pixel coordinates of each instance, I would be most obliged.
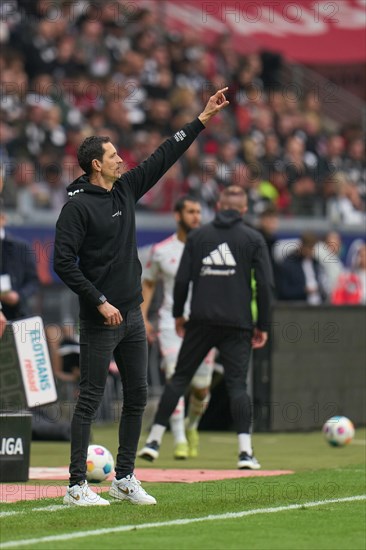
(360, 270)
(203, 186)
(249, 151)
(226, 57)
(92, 50)
(268, 222)
(15, 80)
(332, 159)
(354, 165)
(343, 202)
(286, 124)
(51, 185)
(19, 280)
(311, 130)
(328, 253)
(271, 154)
(298, 162)
(116, 116)
(278, 178)
(300, 276)
(268, 227)
(31, 197)
(227, 158)
(350, 288)
(305, 201)
(66, 63)
(261, 194)
(89, 66)
(8, 195)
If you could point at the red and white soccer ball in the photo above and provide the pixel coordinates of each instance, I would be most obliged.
(338, 431)
(99, 463)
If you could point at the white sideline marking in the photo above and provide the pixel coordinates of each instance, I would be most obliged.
(51, 508)
(230, 515)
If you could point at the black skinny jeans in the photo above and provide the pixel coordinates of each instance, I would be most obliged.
(234, 345)
(127, 343)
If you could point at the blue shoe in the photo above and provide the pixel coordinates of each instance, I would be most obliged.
(150, 452)
(248, 462)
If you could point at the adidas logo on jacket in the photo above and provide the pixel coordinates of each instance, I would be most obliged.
(218, 258)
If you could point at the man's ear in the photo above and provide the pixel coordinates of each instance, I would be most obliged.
(96, 165)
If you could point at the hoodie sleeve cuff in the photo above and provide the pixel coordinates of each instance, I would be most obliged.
(198, 125)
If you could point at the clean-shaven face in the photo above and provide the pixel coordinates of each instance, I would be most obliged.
(112, 164)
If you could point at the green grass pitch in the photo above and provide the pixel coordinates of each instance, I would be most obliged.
(268, 513)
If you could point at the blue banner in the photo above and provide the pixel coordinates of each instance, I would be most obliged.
(42, 239)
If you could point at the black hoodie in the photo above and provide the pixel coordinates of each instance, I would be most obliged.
(95, 244)
(219, 258)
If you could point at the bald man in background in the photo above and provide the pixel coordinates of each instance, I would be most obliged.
(218, 260)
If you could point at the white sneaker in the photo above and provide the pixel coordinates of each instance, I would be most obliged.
(82, 495)
(129, 488)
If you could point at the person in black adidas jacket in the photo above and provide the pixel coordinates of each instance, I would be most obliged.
(96, 256)
(219, 259)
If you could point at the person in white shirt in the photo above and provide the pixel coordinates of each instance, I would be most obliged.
(300, 274)
(327, 252)
(162, 265)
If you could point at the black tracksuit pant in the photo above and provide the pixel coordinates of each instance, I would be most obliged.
(234, 345)
(127, 343)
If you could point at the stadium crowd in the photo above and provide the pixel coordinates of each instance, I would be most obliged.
(72, 69)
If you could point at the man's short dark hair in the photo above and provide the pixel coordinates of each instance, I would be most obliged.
(180, 204)
(90, 149)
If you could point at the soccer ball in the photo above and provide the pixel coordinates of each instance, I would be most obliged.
(99, 463)
(338, 431)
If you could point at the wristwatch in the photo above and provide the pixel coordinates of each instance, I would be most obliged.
(102, 299)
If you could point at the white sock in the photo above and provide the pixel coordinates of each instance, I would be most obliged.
(177, 423)
(245, 444)
(196, 409)
(156, 433)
